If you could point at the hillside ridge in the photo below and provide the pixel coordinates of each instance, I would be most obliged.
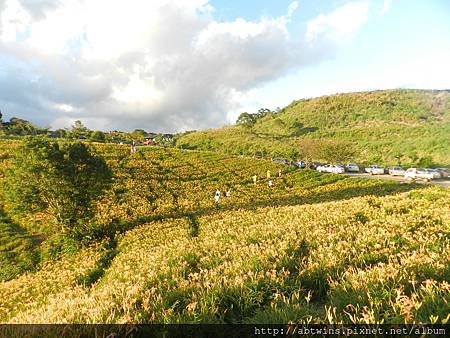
(384, 126)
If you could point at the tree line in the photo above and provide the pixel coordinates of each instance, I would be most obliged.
(78, 131)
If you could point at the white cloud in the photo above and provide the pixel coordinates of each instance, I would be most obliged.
(292, 8)
(339, 24)
(14, 20)
(386, 6)
(160, 65)
(64, 107)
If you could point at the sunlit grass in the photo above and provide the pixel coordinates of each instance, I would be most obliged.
(313, 249)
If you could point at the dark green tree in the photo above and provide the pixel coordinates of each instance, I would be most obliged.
(97, 136)
(138, 135)
(246, 119)
(263, 112)
(21, 127)
(78, 131)
(61, 181)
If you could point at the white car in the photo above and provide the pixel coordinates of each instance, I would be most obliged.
(374, 170)
(396, 171)
(328, 168)
(352, 167)
(418, 174)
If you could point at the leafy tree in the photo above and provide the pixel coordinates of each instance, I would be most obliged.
(78, 131)
(263, 112)
(138, 135)
(246, 119)
(61, 181)
(21, 127)
(97, 136)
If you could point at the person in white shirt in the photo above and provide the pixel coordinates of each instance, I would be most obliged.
(217, 198)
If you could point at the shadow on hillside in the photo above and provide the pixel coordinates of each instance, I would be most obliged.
(289, 135)
(17, 249)
(378, 190)
(313, 198)
(12, 227)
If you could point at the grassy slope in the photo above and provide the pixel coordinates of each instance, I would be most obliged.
(316, 247)
(383, 124)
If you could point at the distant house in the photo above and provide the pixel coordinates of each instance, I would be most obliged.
(149, 140)
(52, 134)
(167, 138)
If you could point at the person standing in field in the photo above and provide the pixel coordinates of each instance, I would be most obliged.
(270, 183)
(254, 179)
(279, 172)
(217, 198)
(133, 147)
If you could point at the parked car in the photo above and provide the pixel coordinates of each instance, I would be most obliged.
(314, 165)
(444, 172)
(322, 168)
(396, 171)
(328, 168)
(434, 172)
(281, 160)
(352, 168)
(374, 170)
(300, 164)
(413, 174)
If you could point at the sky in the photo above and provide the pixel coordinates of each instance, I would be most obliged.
(171, 66)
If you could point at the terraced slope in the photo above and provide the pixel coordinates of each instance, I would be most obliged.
(314, 248)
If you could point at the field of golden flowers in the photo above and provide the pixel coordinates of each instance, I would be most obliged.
(314, 248)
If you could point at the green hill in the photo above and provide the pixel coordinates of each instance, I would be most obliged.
(387, 127)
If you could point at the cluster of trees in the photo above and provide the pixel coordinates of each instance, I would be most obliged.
(61, 181)
(248, 119)
(20, 127)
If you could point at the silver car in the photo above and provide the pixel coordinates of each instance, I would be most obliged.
(444, 172)
(374, 170)
(396, 171)
(434, 172)
(418, 174)
(352, 168)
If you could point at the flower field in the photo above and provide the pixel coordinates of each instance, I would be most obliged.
(314, 248)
